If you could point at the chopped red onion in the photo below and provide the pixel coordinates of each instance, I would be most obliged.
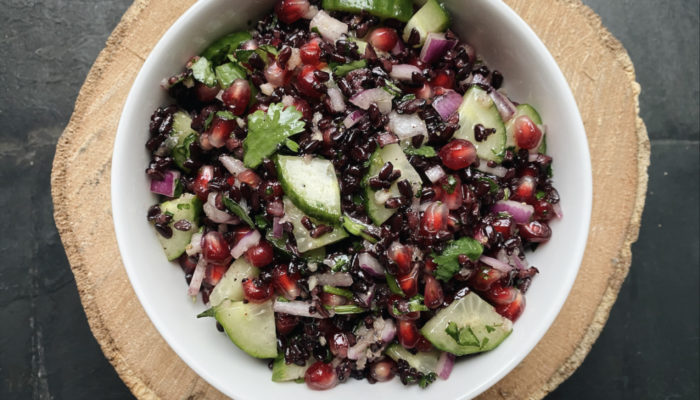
(477, 79)
(388, 332)
(377, 96)
(275, 208)
(166, 186)
(403, 72)
(557, 210)
(233, 165)
(216, 215)
(352, 118)
(338, 279)
(436, 45)
(498, 171)
(521, 212)
(300, 308)
(370, 265)
(406, 126)
(444, 366)
(398, 48)
(337, 100)
(250, 239)
(447, 104)
(499, 265)
(520, 264)
(435, 173)
(505, 107)
(277, 228)
(197, 277)
(386, 138)
(330, 28)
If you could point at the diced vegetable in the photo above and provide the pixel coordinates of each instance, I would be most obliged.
(230, 287)
(186, 207)
(478, 109)
(396, 9)
(430, 18)
(302, 235)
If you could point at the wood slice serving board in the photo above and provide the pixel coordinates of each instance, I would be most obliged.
(601, 76)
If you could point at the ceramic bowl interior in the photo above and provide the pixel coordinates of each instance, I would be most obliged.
(531, 75)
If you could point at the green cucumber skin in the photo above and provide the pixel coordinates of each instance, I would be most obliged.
(397, 9)
(326, 208)
(478, 108)
(530, 111)
(431, 18)
(190, 208)
(303, 237)
(283, 372)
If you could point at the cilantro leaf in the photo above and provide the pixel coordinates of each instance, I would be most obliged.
(229, 72)
(426, 380)
(450, 184)
(218, 50)
(203, 72)
(268, 130)
(343, 69)
(447, 264)
(463, 336)
(227, 115)
(238, 210)
(423, 151)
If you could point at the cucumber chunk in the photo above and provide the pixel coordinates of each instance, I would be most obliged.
(524, 109)
(424, 362)
(430, 18)
(468, 325)
(389, 153)
(250, 326)
(478, 108)
(311, 185)
(397, 9)
(183, 136)
(188, 207)
(230, 286)
(283, 372)
(302, 235)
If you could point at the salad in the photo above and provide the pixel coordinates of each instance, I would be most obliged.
(351, 191)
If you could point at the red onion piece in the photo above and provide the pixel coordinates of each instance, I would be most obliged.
(505, 107)
(330, 28)
(377, 96)
(370, 265)
(386, 138)
(436, 45)
(521, 212)
(277, 228)
(398, 48)
(233, 165)
(520, 264)
(167, 185)
(197, 277)
(406, 126)
(275, 208)
(444, 366)
(477, 79)
(557, 210)
(353, 118)
(435, 173)
(300, 308)
(447, 104)
(403, 72)
(338, 279)
(216, 215)
(499, 265)
(388, 333)
(496, 171)
(250, 239)
(337, 100)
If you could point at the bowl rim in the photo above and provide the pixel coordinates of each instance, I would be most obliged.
(122, 231)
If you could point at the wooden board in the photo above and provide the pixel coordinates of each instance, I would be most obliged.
(601, 76)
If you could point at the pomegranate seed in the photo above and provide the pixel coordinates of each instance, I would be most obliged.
(500, 295)
(408, 334)
(260, 255)
(429, 265)
(239, 232)
(505, 226)
(383, 371)
(339, 345)
(444, 78)
(525, 191)
(332, 300)
(530, 170)
(453, 200)
(527, 134)
(204, 93)
(513, 310)
(401, 255)
(320, 376)
(187, 263)
(215, 272)
(484, 278)
(250, 178)
(290, 11)
(425, 92)
(423, 344)
(220, 131)
(214, 247)
(409, 282)
(458, 154)
(310, 52)
(258, 107)
(433, 294)
(285, 323)
(237, 96)
(285, 282)
(256, 291)
(536, 232)
(434, 218)
(544, 211)
(307, 82)
(201, 182)
(276, 75)
(302, 106)
(383, 39)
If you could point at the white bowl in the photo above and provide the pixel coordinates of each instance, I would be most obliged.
(531, 75)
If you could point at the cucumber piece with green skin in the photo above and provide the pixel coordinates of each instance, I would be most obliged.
(429, 18)
(390, 153)
(283, 372)
(183, 135)
(250, 326)
(187, 207)
(396, 9)
(312, 185)
(359, 228)
(424, 361)
(525, 109)
(478, 108)
(302, 235)
(231, 284)
(479, 327)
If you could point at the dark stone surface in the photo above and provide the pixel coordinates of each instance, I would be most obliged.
(648, 349)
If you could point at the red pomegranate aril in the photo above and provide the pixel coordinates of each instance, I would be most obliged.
(306, 82)
(201, 182)
(303, 107)
(513, 310)
(444, 78)
(206, 94)
(239, 232)
(458, 154)
(332, 300)
(215, 272)
(285, 323)
(286, 283)
(339, 345)
(544, 211)
(409, 282)
(214, 247)
(505, 226)
(382, 371)
(535, 231)
(237, 96)
(434, 218)
(321, 376)
(383, 39)
(484, 277)
(275, 208)
(423, 344)
(290, 11)
(433, 294)
(255, 291)
(250, 178)
(449, 191)
(276, 75)
(310, 52)
(525, 190)
(500, 295)
(401, 255)
(187, 263)
(527, 134)
(425, 92)
(429, 265)
(408, 334)
(221, 130)
(260, 255)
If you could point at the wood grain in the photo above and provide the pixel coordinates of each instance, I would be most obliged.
(619, 146)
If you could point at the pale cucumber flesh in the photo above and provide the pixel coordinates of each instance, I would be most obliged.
(187, 207)
(302, 235)
(283, 372)
(230, 286)
(424, 362)
(524, 109)
(478, 108)
(429, 18)
(250, 326)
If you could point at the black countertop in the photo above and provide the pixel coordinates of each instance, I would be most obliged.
(648, 349)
